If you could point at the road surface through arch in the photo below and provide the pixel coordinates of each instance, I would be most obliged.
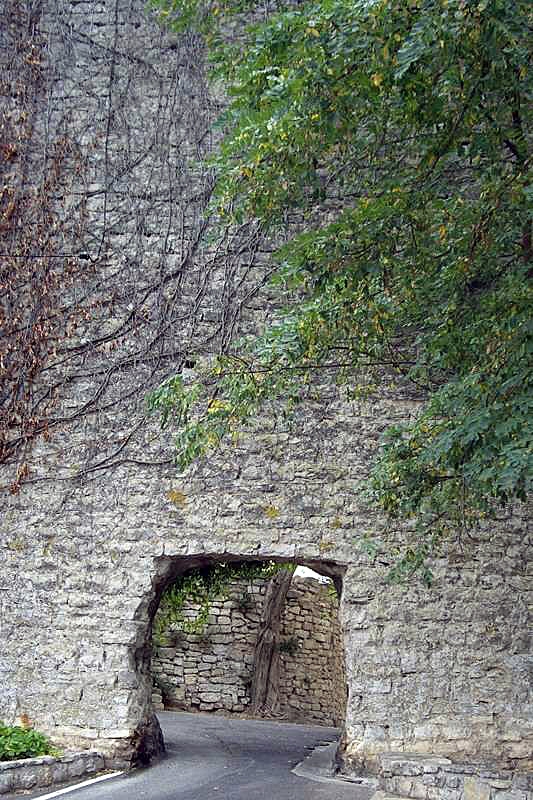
(240, 656)
(210, 756)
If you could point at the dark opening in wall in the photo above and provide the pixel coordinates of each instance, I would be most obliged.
(213, 659)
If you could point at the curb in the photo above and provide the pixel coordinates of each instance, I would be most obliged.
(320, 766)
(43, 771)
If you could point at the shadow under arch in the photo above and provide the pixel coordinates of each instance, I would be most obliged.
(147, 741)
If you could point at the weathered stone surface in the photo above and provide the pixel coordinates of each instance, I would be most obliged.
(312, 685)
(474, 789)
(104, 521)
(404, 764)
(433, 778)
(30, 773)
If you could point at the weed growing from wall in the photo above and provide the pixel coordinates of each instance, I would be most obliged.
(201, 587)
(17, 742)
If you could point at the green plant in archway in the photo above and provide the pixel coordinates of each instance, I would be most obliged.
(201, 587)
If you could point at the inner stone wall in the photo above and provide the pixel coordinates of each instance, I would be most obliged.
(103, 521)
(212, 670)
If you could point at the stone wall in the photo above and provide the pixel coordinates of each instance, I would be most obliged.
(312, 677)
(212, 671)
(438, 778)
(30, 773)
(103, 521)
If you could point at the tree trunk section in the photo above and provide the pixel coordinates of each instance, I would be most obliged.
(264, 692)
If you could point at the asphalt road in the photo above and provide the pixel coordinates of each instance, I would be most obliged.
(215, 758)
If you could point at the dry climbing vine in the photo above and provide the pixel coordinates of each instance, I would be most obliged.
(108, 279)
(35, 272)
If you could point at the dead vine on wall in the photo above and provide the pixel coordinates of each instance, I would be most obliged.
(109, 280)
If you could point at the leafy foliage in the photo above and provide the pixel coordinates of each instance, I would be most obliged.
(17, 742)
(399, 134)
(201, 587)
(289, 646)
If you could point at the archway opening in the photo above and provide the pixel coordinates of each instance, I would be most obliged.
(268, 644)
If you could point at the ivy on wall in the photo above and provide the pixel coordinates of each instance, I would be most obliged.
(201, 587)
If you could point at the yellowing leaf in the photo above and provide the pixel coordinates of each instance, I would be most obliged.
(216, 405)
(377, 79)
(178, 498)
(25, 722)
(271, 512)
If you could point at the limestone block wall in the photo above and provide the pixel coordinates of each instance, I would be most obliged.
(29, 773)
(312, 675)
(212, 671)
(103, 521)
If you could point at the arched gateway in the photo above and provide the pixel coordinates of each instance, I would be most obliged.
(95, 519)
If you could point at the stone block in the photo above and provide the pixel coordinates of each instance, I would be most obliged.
(447, 793)
(513, 794)
(474, 789)
(519, 749)
(6, 784)
(209, 697)
(523, 781)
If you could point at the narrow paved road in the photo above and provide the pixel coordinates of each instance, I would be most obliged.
(226, 759)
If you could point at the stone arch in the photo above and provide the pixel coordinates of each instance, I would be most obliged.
(147, 740)
(440, 671)
(87, 543)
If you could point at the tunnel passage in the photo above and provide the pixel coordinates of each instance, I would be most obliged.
(212, 656)
(204, 654)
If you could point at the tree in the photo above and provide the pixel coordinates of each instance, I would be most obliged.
(264, 690)
(399, 135)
